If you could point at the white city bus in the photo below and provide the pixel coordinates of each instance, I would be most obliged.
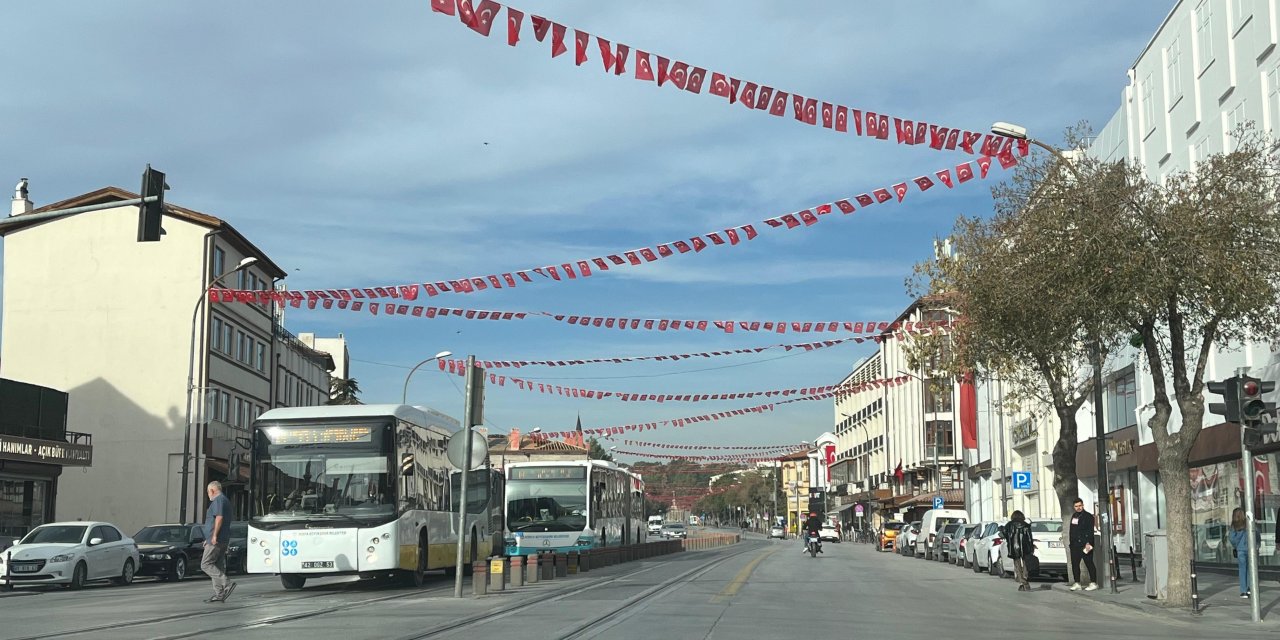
(572, 505)
(362, 490)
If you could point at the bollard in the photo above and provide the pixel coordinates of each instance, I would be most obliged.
(1114, 569)
(574, 558)
(497, 574)
(531, 568)
(1195, 590)
(562, 565)
(479, 578)
(584, 560)
(517, 571)
(548, 563)
(1133, 564)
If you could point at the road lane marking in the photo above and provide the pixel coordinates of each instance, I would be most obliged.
(740, 580)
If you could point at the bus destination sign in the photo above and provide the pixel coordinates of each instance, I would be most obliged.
(548, 473)
(318, 435)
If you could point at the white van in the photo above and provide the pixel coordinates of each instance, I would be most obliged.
(655, 525)
(931, 525)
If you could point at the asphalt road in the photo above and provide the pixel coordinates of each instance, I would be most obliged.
(756, 589)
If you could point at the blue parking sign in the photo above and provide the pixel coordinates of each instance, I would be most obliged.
(937, 502)
(1022, 480)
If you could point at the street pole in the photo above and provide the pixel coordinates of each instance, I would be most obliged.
(1004, 473)
(466, 472)
(1246, 472)
(1104, 494)
(774, 515)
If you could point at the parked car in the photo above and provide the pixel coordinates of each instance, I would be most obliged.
(674, 530)
(170, 551)
(959, 541)
(908, 537)
(889, 535)
(828, 533)
(943, 546)
(776, 531)
(931, 524)
(70, 554)
(987, 549)
(1050, 555)
(972, 541)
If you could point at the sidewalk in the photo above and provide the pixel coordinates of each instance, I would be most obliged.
(1220, 601)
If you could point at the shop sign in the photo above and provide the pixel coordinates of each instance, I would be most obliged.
(1023, 431)
(45, 451)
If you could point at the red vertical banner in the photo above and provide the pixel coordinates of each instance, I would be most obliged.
(829, 452)
(968, 412)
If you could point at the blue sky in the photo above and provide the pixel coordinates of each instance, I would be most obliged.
(348, 140)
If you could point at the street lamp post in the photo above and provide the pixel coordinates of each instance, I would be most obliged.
(1095, 352)
(191, 367)
(404, 397)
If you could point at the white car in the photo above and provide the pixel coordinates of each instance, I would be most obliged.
(828, 533)
(776, 531)
(986, 547)
(1051, 555)
(70, 554)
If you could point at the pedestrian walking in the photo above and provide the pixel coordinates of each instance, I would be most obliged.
(217, 531)
(1080, 537)
(1022, 545)
(1240, 549)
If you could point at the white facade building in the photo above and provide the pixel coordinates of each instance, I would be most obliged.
(335, 347)
(89, 309)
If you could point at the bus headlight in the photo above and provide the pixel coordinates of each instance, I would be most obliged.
(371, 549)
(586, 541)
(386, 536)
(510, 542)
(374, 540)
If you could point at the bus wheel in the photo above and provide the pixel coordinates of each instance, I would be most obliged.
(292, 581)
(417, 577)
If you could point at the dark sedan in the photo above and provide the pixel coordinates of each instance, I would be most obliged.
(170, 551)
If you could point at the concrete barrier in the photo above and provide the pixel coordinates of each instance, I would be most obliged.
(498, 574)
(517, 571)
(479, 578)
(562, 565)
(532, 571)
(584, 560)
(548, 564)
(572, 562)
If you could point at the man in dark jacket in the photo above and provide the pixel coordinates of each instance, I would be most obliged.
(1021, 545)
(1081, 542)
(812, 525)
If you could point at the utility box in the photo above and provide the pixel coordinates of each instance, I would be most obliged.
(1155, 558)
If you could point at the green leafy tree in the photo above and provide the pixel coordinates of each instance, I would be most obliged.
(597, 452)
(344, 391)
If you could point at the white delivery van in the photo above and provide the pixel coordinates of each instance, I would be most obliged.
(655, 525)
(930, 526)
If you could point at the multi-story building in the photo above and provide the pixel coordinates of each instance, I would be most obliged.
(35, 450)
(335, 347)
(796, 476)
(860, 473)
(123, 325)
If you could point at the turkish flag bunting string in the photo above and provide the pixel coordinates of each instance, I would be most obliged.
(326, 300)
(735, 457)
(569, 362)
(735, 236)
(689, 77)
(458, 367)
(706, 447)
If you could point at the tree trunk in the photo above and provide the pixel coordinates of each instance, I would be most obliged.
(1065, 479)
(1175, 479)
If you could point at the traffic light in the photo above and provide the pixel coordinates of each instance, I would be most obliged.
(1229, 389)
(150, 214)
(1252, 407)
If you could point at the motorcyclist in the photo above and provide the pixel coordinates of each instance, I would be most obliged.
(813, 528)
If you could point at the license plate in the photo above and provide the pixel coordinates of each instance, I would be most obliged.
(20, 568)
(325, 564)
(1055, 545)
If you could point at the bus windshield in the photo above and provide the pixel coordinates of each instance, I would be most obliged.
(329, 482)
(546, 505)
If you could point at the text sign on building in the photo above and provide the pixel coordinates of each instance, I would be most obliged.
(45, 451)
(1022, 480)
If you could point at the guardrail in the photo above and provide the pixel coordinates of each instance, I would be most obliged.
(710, 541)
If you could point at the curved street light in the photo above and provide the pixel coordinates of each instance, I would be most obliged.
(405, 396)
(191, 367)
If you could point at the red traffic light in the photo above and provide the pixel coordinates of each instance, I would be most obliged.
(1250, 388)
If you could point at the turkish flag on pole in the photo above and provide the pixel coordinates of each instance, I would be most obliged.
(514, 18)
(644, 68)
(580, 40)
(557, 39)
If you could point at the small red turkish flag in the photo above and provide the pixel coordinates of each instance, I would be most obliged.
(442, 6)
(797, 106)
(922, 130)
(764, 99)
(952, 137)
(964, 172)
(845, 206)
(882, 195)
(648, 254)
(606, 54)
(969, 138)
(679, 75)
(791, 221)
(715, 238)
(828, 115)
(991, 144)
(663, 63)
(664, 250)
(864, 200)
(620, 59)
(695, 80)
(842, 119)
(644, 68)
(485, 16)
(540, 27)
(748, 95)
(811, 111)
(466, 14)
(580, 40)
(557, 39)
(945, 177)
(632, 257)
(779, 104)
(732, 235)
(901, 132)
(873, 125)
(808, 217)
(568, 271)
(698, 244)
(601, 264)
(584, 267)
(514, 18)
(984, 165)
(493, 280)
(1024, 147)
(734, 85)
(749, 230)
(884, 127)
(509, 279)
(1006, 159)
(900, 190)
(681, 246)
(924, 182)
(822, 209)
(719, 85)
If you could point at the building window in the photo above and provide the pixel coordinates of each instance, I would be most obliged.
(1273, 99)
(1240, 13)
(217, 334)
(1231, 124)
(1204, 34)
(211, 405)
(224, 407)
(1148, 106)
(1120, 398)
(1199, 151)
(1173, 70)
(228, 343)
(937, 396)
(940, 429)
(262, 357)
(240, 345)
(219, 263)
(239, 414)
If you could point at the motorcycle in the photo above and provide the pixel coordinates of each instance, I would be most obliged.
(814, 544)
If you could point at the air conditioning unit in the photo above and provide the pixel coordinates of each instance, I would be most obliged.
(1046, 460)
